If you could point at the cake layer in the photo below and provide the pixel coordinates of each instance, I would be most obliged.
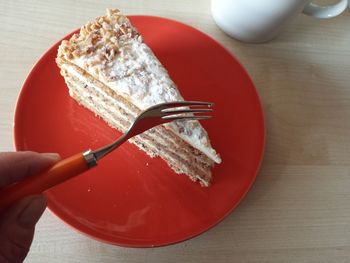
(158, 141)
(112, 72)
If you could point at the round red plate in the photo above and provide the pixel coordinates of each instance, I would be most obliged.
(130, 199)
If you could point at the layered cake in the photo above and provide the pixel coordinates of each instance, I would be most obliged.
(112, 72)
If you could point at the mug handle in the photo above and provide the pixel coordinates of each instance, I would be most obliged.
(325, 12)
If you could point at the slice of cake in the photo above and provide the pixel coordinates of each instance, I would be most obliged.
(112, 72)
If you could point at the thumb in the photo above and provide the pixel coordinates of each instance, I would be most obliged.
(17, 228)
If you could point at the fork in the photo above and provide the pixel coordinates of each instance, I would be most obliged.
(81, 162)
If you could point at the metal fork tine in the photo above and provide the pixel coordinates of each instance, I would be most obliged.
(182, 104)
(181, 111)
(174, 118)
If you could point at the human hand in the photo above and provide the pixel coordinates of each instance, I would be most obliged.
(17, 223)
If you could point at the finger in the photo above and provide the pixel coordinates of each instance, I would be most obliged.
(16, 165)
(17, 228)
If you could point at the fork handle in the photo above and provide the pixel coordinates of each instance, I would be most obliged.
(36, 184)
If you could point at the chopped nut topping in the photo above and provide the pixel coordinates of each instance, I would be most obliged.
(100, 39)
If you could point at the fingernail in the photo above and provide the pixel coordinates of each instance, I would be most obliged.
(53, 156)
(32, 212)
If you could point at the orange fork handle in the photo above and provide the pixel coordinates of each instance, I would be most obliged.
(36, 184)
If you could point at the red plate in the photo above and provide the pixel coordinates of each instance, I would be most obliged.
(131, 199)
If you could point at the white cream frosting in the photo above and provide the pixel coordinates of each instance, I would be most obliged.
(136, 74)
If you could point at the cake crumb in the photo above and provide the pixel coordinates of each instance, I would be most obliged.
(147, 164)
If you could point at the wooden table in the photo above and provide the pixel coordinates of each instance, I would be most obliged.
(299, 208)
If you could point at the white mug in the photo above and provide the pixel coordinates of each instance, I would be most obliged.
(261, 20)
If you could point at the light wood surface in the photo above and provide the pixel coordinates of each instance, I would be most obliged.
(299, 208)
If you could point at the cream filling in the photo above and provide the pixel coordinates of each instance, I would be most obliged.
(112, 116)
(159, 89)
